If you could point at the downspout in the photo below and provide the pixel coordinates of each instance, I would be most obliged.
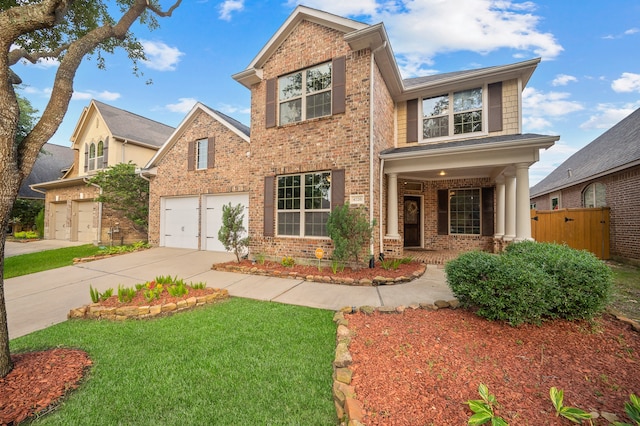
(381, 174)
(372, 140)
(98, 239)
(124, 145)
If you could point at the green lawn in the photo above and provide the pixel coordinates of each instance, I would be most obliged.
(240, 362)
(626, 294)
(24, 264)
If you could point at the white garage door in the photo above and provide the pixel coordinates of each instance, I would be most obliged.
(59, 221)
(86, 230)
(179, 222)
(212, 219)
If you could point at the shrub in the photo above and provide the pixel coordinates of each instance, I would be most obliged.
(350, 231)
(232, 230)
(530, 282)
(40, 223)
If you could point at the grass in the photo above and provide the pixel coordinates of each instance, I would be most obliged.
(30, 263)
(626, 294)
(237, 362)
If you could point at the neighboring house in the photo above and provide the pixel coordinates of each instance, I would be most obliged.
(203, 165)
(103, 136)
(606, 172)
(51, 164)
(438, 162)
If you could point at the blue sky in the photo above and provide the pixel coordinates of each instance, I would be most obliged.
(588, 80)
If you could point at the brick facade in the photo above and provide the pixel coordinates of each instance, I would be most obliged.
(229, 174)
(622, 196)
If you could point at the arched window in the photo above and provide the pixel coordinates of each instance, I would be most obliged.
(594, 195)
(92, 156)
(100, 155)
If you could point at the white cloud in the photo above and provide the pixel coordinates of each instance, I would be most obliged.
(609, 115)
(229, 6)
(421, 29)
(105, 95)
(231, 109)
(183, 106)
(628, 82)
(552, 104)
(160, 56)
(563, 80)
(631, 31)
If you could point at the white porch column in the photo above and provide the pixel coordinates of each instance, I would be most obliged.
(510, 210)
(523, 215)
(500, 208)
(392, 205)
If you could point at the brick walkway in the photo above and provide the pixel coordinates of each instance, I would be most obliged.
(432, 257)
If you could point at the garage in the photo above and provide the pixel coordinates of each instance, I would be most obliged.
(59, 221)
(212, 218)
(85, 231)
(179, 222)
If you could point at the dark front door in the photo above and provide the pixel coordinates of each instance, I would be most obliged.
(412, 219)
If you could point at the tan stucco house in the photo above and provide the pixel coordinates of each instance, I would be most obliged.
(104, 136)
(439, 162)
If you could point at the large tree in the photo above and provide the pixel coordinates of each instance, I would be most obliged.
(67, 31)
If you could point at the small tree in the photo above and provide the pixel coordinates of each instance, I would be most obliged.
(350, 231)
(231, 232)
(125, 191)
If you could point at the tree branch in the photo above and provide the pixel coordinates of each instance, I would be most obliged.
(159, 12)
(16, 54)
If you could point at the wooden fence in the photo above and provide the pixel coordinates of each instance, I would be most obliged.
(584, 229)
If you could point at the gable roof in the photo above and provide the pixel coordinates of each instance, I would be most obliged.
(230, 123)
(127, 126)
(50, 165)
(616, 149)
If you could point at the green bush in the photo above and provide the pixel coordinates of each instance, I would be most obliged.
(530, 282)
(40, 223)
(350, 231)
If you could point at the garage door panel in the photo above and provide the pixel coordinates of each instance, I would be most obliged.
(180, 222)
(60, 221)
(86, 232)
(212, 220)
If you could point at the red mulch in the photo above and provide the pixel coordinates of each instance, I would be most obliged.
(404, 270)
(139, 299)
(38, 381)
(420, 367)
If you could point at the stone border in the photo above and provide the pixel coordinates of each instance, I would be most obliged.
(379, 280)
(121, 313)
(348, 408)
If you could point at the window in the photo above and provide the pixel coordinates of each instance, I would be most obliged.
(555, 203)
(594, 196)
(202, 147)
(304, 203)
(305, 94)
(464, 211)
(92, 156)
(100, 155)
(454, 113)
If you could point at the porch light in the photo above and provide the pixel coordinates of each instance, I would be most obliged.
(442, 173)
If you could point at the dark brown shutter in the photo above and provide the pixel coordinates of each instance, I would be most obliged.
(105, 153)
(338, 83)
(337, 188)
(269, 207)
(211, 152)
(487, 212)
(191, 156)
(412, 120)
(270, 111)
(86, 158)
(495, 107)
(443, 211)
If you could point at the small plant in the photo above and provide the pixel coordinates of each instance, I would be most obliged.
(288, 262)
(350, 231)
(260, 258)
(96, 296)
(232, 231)
(26, 235)
(126, 294)
(178, 290)
(392, 264)
(152, 292)
(483, 409)
(576, 415)
(632, 408)
(198, 286)
(337, 266)
(166, 280)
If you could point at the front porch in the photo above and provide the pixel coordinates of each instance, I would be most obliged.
(432, 257)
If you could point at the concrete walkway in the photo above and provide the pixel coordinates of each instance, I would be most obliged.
(39, 300)
(15, 248)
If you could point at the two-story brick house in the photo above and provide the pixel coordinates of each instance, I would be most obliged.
(104, 136)
(438, 162)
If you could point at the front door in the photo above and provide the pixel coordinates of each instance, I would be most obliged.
(412, 219)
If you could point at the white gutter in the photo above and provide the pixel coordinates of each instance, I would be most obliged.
(372, 140)
(98, 240)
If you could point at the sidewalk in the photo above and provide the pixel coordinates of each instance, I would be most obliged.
(39, 300)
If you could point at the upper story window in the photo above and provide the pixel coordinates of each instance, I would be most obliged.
(453, 113)
(594, 195)
(96, 156)
(304, 204)
(202, 147)
(305, 94)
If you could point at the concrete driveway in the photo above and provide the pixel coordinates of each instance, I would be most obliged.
(39, 300)
(15, 248)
